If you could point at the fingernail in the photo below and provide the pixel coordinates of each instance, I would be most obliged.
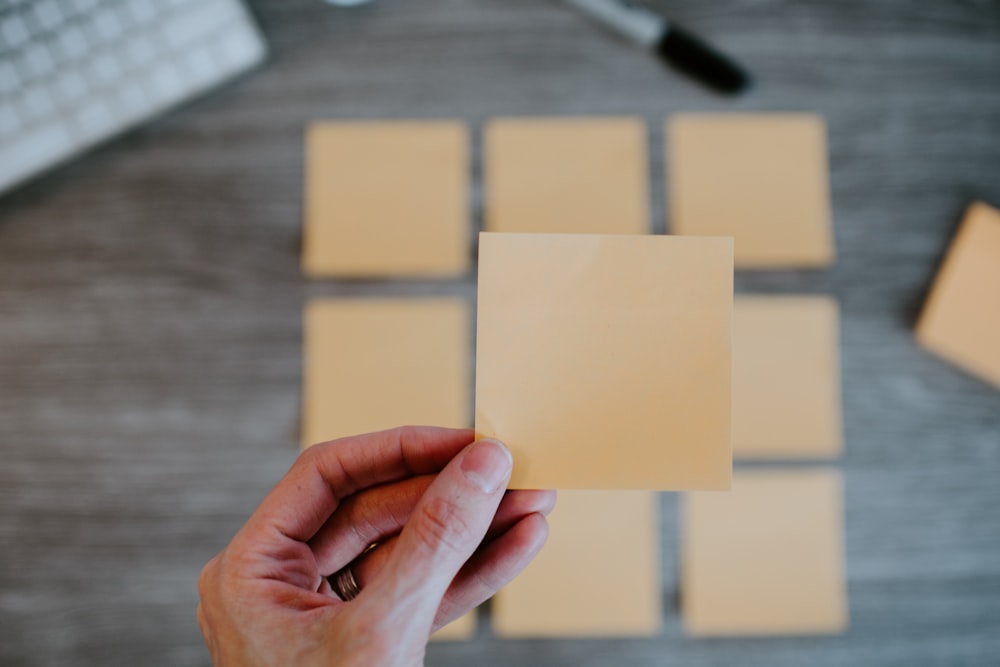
(487, 464)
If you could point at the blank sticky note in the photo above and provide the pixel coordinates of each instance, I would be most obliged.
(786, 378)
(566, 175)
(463, 627)
(603, 362)
(386, 199)
(961, 320)
(766, 558)
(761, 179)
(598, 574)
(377, 364)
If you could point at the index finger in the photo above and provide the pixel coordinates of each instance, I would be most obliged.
(299, 505)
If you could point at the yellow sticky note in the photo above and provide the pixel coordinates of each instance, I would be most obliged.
(603, 362)
(377, 364)
(786, 378)
(386, 199)
(760, 178)
(586, 175)
(766, 558)
(961, 320)
(598, 574)
(462, 628)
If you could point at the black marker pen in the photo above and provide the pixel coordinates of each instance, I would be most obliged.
(680, 48)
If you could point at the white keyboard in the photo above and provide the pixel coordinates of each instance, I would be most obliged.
(76, 72)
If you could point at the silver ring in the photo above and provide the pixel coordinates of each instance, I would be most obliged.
(344, 584)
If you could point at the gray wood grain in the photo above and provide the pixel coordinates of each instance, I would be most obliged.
(150, 303)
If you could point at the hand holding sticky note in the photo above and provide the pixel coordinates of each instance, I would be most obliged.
(603, 362)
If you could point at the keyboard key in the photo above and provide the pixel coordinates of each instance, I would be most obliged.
(69, 87)
(201, 65)
(107, 26)
(47, 14)
(72, 42)
(84, 5)
(13, 31)
(105, 69)
(138, 52)
(36, 103)
(36, 61)
(165, 84)
(142, 10)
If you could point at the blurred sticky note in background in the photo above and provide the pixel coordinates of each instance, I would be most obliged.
(786, 377)
(762, 179)
(766, 558)
(961, 319)
(603, 362)
(386, 199)
(598, 574)
(463, 627)
(377, 364)
(584, 175)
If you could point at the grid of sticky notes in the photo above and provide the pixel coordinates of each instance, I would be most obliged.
(961, 319)
(759, 178)
(575, 294)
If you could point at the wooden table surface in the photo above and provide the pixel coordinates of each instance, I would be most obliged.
(150, 303)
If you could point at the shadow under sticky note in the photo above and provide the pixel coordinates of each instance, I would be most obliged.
(961, 320)
(603, 362)
(566, 175)
(766, 558)
(377, 364)
(386, 199)
(762, 179)
(786, 378)
(598, 574)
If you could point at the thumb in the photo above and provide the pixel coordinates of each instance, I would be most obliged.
(444, 530)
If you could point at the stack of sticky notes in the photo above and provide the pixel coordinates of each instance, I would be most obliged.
(614, 363)
(961, 319)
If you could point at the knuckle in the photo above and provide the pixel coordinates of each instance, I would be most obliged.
(440, 525)
(206, 577)
(309, 455)
(365, 529)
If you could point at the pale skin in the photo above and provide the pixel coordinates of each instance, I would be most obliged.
(448, 536)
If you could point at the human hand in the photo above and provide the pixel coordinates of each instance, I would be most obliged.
(424, 496)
